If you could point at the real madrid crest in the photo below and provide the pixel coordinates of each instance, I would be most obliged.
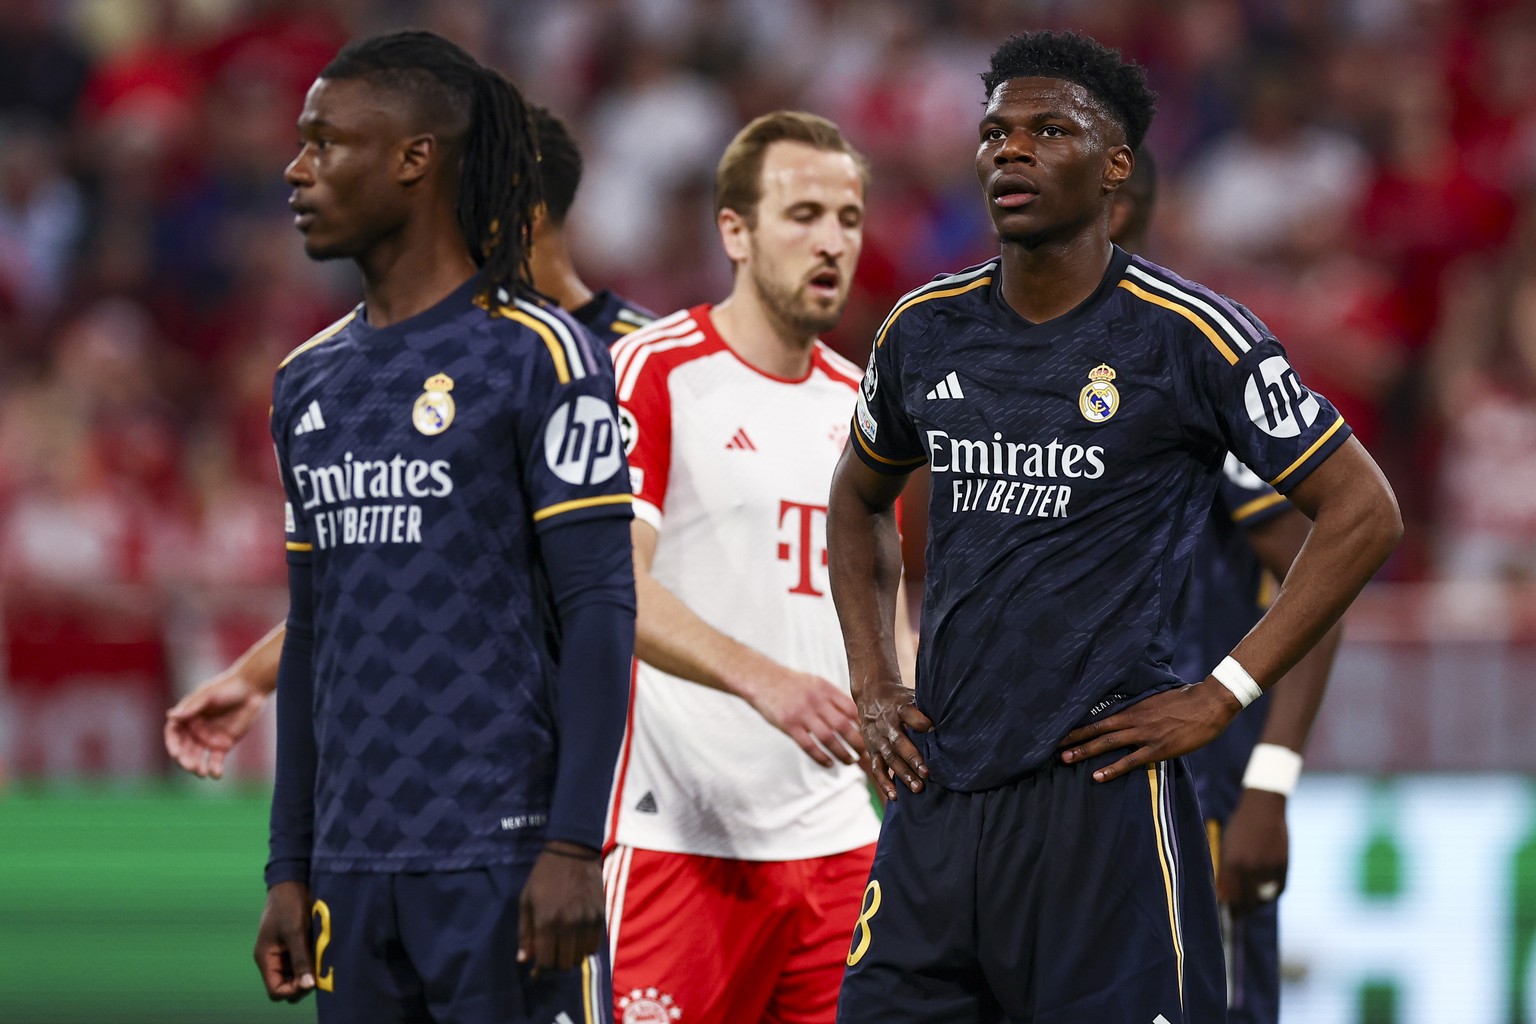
(433, 412)
(1099, 400)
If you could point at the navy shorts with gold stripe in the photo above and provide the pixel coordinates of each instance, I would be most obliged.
(1052, 900)
(439, 947)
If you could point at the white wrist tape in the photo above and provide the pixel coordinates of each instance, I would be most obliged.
(1236, 678)
(1273, 768)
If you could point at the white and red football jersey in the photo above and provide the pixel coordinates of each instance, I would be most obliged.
(732, 466)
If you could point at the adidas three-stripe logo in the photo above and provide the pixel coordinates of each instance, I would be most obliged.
(949, 387)
(311, 420)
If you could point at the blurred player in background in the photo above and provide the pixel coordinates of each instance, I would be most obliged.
(743, 826)
(453, 677)
(1075, 405)
(1244, 776)
(207, 723)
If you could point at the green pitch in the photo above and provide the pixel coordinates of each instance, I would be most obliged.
(133, 906)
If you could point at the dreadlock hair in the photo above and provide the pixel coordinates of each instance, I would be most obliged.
(559, 164)
(1120, 85)
(483, 120)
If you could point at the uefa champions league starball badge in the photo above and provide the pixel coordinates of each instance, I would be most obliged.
(1099, 400)
(433, 412)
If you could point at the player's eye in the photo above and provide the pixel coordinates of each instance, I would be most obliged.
(994, 135)
(1053, 131)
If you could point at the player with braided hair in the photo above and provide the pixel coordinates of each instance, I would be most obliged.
(458, 513)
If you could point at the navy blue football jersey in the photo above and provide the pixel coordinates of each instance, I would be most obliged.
(609, 317)
(1229, 590)
(1074, 466)
(419, 461)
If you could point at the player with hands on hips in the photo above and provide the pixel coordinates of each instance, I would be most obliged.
(1075, 405)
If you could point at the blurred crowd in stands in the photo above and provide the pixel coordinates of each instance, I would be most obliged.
(1360, 173)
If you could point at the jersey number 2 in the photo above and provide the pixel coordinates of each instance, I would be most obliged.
(325, 980)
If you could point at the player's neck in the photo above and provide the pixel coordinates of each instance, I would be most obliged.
(763, 340)
(1044, 281)
(555, 275)
(405, 275)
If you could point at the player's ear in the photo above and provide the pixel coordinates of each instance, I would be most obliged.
(417, 155)
(1118, 165)
(735, 234)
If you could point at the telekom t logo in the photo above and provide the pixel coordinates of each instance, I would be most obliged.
(802, 549)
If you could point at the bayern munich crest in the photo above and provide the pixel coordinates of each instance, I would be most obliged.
(1099, 400)
(433, 412)
(648, 1006)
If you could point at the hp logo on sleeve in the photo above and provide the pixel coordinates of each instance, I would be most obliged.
(581, 442)
(1277, 403)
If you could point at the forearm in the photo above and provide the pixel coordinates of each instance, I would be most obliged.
(258, 666)
(291, 835)
(1355, 526)
(864, 561)
(591, 573)
(670, 636)
(1294, 701)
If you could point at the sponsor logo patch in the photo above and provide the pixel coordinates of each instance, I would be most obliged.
(1277, 402)
(581, 441)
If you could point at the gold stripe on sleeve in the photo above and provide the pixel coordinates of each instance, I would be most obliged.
(294, 545)
(941, 294)
(1293, 467)
(1257, 505)
(556, 350)
(325, 335)
(571, 506)
(908, 463)
(1188, 314)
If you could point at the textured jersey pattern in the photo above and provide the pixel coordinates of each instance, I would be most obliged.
(419, 460)
(1074, 465)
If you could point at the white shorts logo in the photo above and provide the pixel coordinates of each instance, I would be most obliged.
(649, 1006)
(581, 442)
(1277, 403)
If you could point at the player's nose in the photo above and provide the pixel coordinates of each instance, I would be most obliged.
(298, 171)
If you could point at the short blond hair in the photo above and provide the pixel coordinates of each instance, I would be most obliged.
(739, 178)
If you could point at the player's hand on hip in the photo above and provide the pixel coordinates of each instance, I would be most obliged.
(1255, 852)
(283, 953)
(1162, 726)
(560, 912)
(813, 712)
(887, 710)
(206, 724)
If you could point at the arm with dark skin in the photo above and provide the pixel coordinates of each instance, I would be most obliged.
(1355, 526)
(864, 561)
(1255, 846)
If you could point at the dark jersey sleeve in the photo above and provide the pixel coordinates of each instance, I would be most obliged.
(592, 575)
(883, 433)
(1247, 499)
(292, 824)
(1248, 400)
